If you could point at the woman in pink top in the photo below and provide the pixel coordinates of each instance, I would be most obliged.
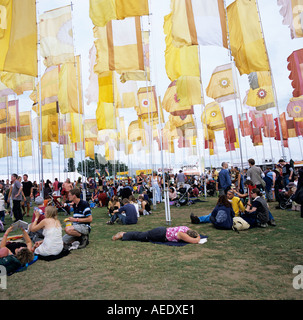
(161, 234)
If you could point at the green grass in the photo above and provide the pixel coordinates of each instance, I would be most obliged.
(253, 264)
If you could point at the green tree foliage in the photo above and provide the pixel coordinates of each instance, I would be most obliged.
(89, 166)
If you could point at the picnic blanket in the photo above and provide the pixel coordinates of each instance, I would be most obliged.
(180, 243)
(62, 254)
(23, 268)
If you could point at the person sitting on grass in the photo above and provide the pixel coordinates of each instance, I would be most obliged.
(221, 217)
(113, 204)
(81, 220)
(257, 211)
(38, 235)
(15, 255)
(52, 244)
(161, 234)
(134, 202)
(127, 214)
(144, 206)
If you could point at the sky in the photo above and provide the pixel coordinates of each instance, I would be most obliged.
(279, 46)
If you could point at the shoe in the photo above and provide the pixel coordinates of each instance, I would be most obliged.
(109, 222)
(263, 225)
(74, 246)
(118, 236)
(194, 219)
(83, 242)
(272, 223)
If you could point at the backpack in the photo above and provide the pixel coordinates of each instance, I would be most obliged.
(239, 224)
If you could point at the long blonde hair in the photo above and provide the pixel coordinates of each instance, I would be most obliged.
(51, 212)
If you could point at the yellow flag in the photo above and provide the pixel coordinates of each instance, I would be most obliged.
(76, 134)
(179, 61)
(106, 116)
(109, 152)
(12, 117)
(47, 150)
(106, 91)
(90, 130)
(246, 40)
(260, 94)
(102, 11)
(199, 22)
(17, 82)
(49, 92)
(147, 101)
(25, 148)
(24, 132)
(90, 149)
(18, 37)
(213, 116)
(49, 128)
(69, 149)
(70, 88)
(221, 85)
(189, 91)
(119, 46)
(56, 33)
(171, 101)
(5, 146)
(182, 122)
(135, 131)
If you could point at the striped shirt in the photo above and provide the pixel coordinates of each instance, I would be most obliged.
(82, 210)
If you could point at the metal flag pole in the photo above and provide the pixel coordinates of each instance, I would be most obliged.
(40, 150)
(273, 83)
(165, 190)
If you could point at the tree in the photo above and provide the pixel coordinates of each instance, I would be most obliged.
(71, 165)
(90, 165)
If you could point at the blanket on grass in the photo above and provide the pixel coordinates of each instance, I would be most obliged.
(180, 243)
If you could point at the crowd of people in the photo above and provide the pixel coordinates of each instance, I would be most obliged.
(241, 193)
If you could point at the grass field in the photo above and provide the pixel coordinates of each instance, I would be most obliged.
(256, 264)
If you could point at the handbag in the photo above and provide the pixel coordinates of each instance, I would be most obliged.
(239, 224)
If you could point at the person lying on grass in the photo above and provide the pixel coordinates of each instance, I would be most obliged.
(14, 257)
(161, 234)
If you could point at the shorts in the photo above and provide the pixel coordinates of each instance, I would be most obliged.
(84, 229)
(27, 200)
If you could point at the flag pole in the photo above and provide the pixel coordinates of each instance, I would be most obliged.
(165, 190)
(273, 83)
(82, 139)
(203, 138)
(40, 141)
(235, 80)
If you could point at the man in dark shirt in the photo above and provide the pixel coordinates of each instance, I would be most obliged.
(27, 188)
(125, 192)
(127, 214)
(82, 217)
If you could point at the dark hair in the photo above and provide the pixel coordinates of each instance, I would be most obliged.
(251, 161)
(248, 182)
(257, 191)
(15, 175)
(132, 198)
(224, 201)
(192, 233)
(75, 192)
(25, 256)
